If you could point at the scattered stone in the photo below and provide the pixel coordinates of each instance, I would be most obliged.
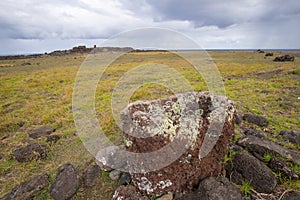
(1, 156)
(279, 165)
(254, 132)
(193, 112)
(284, 58)
(103, 167)
(61, 81)
(265, 91)
(28, 189)
(218, 188)
(269, 54)
(52, 138)
(255, 119)
(42, 131)
(30, 152)
(235, 147)
(260, 51)
(168, 196)
(125, 179)
(262, 146)
(128, 192)
(91, 174)
(291, 196)
(287, 105)
(213, 188)
(238, 119)
(111, 156)
(115, 175)
(246, 167)
(65, 184)
(20, 123)
(26, 63)
(291, 135)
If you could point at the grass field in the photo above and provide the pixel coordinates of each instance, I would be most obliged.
(41, 94)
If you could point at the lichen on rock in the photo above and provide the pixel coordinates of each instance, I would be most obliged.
(196, 127)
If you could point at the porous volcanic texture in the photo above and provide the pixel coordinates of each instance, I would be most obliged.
(194, 118)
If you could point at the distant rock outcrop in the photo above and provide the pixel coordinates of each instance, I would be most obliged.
(284, 58)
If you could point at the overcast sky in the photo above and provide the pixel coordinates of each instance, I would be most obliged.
(45, 25)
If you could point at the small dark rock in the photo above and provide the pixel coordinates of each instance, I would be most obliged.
(279, 165)
(254, 132)
(27, 190)
(269, 54)
(238, 119)
(125, 179)
(260, 51)
(255, 119)
(259, 146)
(291, 135)
(61, 81)
(52, 138)
(213, 188)
(115, 175)
(292, 196)
(20, 123)
(26, 63)
(42, 131)
(265, 91)
(247, 167)
(287, 105)
(65, 184)
(30, 152)
(128, 192)
(92, 173)
(235, 147)
(1, 156)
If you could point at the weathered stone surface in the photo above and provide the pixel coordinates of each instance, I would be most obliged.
(246, 167)
(292, 196)
(279, 165)
(115, 175)
(125, 179)
(52, 138)
(185, 120)
(254, 132)
(269, 54)
(235, 147)
(27, 190)
(216, 188)
(65, 184)
(91, 175)
(284, 58)
(238, 119)
(30, 152)
(291, 135)
(168, 196)
(128, 192)
(287, 105)
(255, 119)
(42, 131)
(261, 146)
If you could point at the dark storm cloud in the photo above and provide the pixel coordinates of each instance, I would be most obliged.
(222, 13)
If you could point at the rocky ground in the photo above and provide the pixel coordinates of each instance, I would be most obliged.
(42, 156)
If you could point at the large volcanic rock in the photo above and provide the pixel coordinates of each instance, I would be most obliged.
(178, 141)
